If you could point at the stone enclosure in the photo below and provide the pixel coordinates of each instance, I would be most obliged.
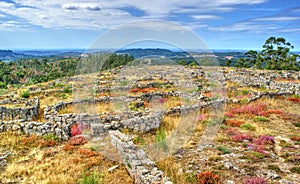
(172, 81)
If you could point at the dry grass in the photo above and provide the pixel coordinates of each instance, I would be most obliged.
(32, 163)
(173, 170)
(89, 108)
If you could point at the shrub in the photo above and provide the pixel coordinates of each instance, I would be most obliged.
(296, 100)
(245, 92)
(295, 170)
(160, 137)
(258, 155)
(77, 140)
(202, 117)
(139, 140)
(207, 178)
(25, 94)
(67, 89)
(251, 109)
(87, 153)
(229, 114)
(260, 119)
(234, 123)
(264, 139)
(89, 178)
(274, 168)
(134, 90)
(69, 148)
(272, 111)
(51, 137)
(296, 124)
(295, 138)
(238, 136)
(224, 149)
(255, 180)
(76, 129)
(247, 126)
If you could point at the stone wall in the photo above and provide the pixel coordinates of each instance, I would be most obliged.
(37, 128)
(28, 112)
(265, 79)
(138, 165)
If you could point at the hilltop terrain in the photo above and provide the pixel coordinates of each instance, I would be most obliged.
(168, 123)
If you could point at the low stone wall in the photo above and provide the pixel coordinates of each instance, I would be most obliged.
(142, 124)
(138, 165)
(37, 128)
(29, 112)
(265, 79)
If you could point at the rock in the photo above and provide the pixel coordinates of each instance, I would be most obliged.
(272, 175)
(112, 168)
(229, 182)
(15, 127)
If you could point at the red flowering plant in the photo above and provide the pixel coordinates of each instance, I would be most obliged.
(207, 178)
(254, 180)
(76, 129)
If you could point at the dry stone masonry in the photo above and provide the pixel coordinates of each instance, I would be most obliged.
(139, 166)
(28, 112)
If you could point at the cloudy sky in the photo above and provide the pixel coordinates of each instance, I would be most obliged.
(222, 24)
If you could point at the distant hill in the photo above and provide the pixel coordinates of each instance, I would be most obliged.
(137, 53)
(9, 55)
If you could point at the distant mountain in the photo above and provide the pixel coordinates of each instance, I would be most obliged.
(62, 52)
(9, 55)
(137, 53)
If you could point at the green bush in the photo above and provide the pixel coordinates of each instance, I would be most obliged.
(51, 137)
(67, 89)
(295, 170)
(25, 94)
(247, 126)
(260, 119)
(296, 124)
(224, 149)
(258, 155)
(92, 178)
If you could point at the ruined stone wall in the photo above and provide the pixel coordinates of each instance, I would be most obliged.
(265, 79)
(28, 112)
(37, 128)
(136, 161)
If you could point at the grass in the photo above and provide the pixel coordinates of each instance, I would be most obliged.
(25, 94)
(260, 119)
(224, 149)
(36, 160)
(32, 163)
(247, 126)
(91, 178)
(88, 108)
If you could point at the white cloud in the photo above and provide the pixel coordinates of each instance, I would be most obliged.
(105, 14)
(278, 18)
(248, 27)
(204, 17)
(290, 30)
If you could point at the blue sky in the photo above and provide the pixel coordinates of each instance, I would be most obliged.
(222, 24)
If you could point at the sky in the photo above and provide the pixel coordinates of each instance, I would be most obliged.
(73, 24)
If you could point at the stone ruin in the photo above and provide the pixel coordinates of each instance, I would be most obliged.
(139, 166)
(29, 112)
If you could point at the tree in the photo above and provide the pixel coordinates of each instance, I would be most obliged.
(274, 56)
(276, 53)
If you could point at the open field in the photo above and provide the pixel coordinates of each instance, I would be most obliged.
(163, 115)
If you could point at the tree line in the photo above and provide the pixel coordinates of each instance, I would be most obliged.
(33, 71)
(275, 55)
